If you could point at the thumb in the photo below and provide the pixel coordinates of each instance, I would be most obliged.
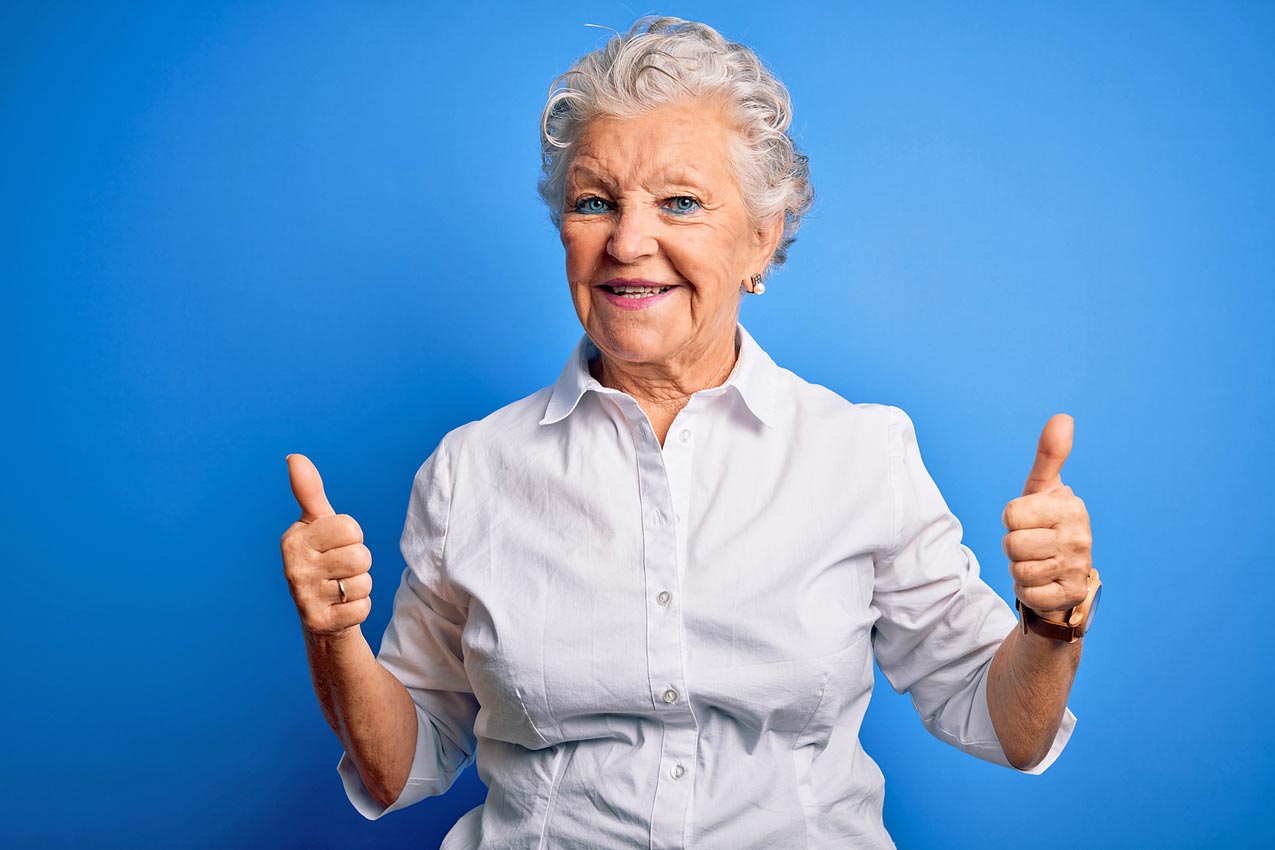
(307, 487)
(1051, 452)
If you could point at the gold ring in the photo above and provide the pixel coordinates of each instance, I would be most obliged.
(340, 585)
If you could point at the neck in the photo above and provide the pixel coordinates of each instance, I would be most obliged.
(663, 389)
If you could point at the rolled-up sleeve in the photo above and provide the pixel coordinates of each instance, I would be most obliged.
(938, 623)
(422, 648)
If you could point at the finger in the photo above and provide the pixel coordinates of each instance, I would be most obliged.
(1035, 573)
(1053, 600)
(1051, 453)
(346, 614)
(332, 619)
(1030, 544)
(343, 561)
(1041, 510)
(356, 587)
(333, 532)
(307, 488)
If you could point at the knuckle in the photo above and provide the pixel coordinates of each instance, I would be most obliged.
(1018, 572)
(294, 567)
(290, 543)
(1026, 572)
(1084, 540)
(351, 528)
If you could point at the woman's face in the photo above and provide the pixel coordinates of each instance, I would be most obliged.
(657, 236)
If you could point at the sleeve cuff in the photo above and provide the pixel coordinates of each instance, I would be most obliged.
(1060, 741)
(995, 752)
(418, 787)
(978, 736)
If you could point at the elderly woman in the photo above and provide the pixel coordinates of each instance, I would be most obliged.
(647, 599)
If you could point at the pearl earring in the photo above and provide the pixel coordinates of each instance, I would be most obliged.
(759, 288)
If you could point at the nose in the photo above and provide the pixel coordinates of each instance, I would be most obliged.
(634, 235)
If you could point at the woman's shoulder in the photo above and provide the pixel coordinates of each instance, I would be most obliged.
(510, 426)
(483, 445)
(819, 405)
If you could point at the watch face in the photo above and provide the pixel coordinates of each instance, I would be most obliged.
(1093, 607)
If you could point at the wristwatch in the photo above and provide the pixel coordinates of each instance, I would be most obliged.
(1078, 620)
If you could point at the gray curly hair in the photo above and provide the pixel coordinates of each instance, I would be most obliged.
(661, 60)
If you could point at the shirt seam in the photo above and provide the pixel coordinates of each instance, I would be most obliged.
(894, 438)
(444, 586)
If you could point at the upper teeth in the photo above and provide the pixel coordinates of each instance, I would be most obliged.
(639, 290)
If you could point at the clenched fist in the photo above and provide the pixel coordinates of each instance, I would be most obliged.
(324, 559)
(1049, 542)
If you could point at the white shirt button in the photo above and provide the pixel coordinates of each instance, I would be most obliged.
(685, 435)
(677, 772)
(670, 696)
(664, 597)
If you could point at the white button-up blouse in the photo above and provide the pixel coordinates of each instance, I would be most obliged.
(672, 646)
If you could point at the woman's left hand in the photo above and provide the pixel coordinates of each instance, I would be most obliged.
(1049, 542)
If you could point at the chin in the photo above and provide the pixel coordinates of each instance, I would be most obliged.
(634, 344)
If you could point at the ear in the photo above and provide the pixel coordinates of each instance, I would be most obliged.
(768, 240)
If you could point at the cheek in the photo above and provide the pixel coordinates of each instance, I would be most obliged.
(581, 252)
(712, 259)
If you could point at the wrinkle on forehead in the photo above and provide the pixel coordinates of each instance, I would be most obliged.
(688, 142)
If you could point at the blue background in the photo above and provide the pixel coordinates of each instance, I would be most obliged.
(233, 231)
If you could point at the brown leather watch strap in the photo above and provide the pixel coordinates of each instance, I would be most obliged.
(1046, 628)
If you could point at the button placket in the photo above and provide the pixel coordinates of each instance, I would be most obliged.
(662, 553)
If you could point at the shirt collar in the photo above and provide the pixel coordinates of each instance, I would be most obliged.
(753, 378)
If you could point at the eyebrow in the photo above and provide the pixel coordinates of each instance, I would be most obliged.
(584, 172)
(676, 173)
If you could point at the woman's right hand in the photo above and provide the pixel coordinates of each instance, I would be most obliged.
(323, 555)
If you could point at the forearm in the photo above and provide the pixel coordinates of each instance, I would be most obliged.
(1027, 689)
(367, 707)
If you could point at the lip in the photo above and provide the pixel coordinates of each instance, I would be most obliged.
(635, 303)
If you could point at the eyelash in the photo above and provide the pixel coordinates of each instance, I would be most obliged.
(694, 201)
(580, 205)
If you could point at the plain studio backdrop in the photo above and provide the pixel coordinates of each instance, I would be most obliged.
(233, 231)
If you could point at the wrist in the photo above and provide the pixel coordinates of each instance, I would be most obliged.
(335, 643)
(1055, 616)
(1067, 626)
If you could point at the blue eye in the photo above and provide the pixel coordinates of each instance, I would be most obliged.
(592, 205)
(682, 204)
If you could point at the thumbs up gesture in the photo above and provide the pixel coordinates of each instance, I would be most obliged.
(324, 559)
(1049, 542)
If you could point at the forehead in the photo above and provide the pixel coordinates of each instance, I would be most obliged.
(688, 140)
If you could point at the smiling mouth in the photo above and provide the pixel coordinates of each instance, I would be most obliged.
(636, 292)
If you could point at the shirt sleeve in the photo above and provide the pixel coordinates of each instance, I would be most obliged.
(422, 648)
(939, 624)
